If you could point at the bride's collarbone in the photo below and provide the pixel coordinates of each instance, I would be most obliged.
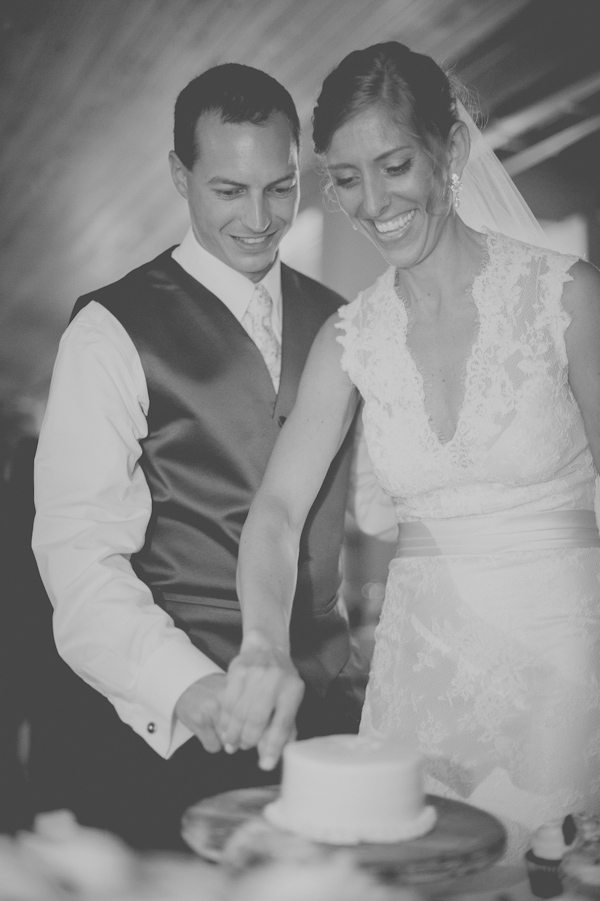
(441, 349)
(443, 346)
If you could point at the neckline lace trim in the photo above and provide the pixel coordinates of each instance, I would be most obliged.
(470, 364)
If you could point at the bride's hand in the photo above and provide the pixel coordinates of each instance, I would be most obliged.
(261, 699)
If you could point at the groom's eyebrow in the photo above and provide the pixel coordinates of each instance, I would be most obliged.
(223, 180)
(290, 176)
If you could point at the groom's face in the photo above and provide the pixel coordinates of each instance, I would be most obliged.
(242, 191)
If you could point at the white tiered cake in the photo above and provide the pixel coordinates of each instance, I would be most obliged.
(346, 789)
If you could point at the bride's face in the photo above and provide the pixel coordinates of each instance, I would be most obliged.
(388, 186)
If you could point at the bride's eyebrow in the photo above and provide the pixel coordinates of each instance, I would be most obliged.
(378, 159)
(400, 149)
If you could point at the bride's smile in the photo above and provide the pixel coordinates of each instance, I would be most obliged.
(389, 186)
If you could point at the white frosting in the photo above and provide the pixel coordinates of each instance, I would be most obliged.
(346, 789)
(548, 841)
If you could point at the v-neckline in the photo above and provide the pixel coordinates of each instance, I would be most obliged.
(468, 361)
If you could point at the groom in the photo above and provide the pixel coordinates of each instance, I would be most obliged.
(169, 390)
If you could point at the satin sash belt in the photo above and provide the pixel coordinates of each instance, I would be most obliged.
(498, 534)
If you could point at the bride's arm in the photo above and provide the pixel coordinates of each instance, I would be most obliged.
(264, 689)
(581, 298)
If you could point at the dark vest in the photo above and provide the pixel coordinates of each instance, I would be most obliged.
(212, 422)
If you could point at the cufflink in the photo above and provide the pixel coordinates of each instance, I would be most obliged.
(151, 727)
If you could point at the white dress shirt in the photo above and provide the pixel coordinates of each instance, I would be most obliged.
(234, 289)
(93, 505)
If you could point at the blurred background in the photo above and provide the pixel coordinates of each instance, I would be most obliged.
(87, 89)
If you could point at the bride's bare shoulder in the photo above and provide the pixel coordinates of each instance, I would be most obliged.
(582, 291)
(329, 332)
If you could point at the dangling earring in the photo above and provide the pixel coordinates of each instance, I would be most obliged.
(455, 188)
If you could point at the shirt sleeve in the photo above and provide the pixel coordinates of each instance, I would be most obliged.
(369, 505)
(92, 509)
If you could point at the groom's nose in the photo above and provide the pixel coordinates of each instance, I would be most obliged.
(257, 215)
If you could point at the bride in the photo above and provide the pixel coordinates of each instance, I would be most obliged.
(476, 358)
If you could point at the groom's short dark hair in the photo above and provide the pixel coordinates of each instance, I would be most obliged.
(239, 94)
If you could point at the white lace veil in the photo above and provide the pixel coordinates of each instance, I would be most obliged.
(489, 197)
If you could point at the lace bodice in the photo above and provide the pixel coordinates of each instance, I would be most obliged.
(520, 441)
(487, 661)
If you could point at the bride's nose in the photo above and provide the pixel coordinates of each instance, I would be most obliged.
(375, 199)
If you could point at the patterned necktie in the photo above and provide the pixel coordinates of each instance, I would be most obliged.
(257, 322)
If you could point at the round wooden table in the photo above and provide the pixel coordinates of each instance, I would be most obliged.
(464, 840)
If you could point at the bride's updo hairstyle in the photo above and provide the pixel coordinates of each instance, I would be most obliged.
(412, 87)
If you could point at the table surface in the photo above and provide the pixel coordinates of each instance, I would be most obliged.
(210, 825)
(499, 883)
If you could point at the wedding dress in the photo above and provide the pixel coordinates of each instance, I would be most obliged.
(487, 653)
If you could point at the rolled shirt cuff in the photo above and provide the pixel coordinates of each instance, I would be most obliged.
(166, 675)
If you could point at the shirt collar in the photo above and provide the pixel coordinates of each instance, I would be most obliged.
(230, 286)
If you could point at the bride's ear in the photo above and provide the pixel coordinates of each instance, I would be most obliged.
(459, 146)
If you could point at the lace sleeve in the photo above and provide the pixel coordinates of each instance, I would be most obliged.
(353, 319)
(348, 326)
(555, 273)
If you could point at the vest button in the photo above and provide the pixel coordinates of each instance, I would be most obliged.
(281, 420)
(151, 727)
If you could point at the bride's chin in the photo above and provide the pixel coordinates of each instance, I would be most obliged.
(402, 255)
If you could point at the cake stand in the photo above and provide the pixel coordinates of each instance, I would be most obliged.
(463, 841)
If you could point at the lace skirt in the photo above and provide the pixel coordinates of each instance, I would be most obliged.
(489, 663)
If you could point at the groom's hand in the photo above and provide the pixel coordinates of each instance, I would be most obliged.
(199, 708)
(261, 700)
